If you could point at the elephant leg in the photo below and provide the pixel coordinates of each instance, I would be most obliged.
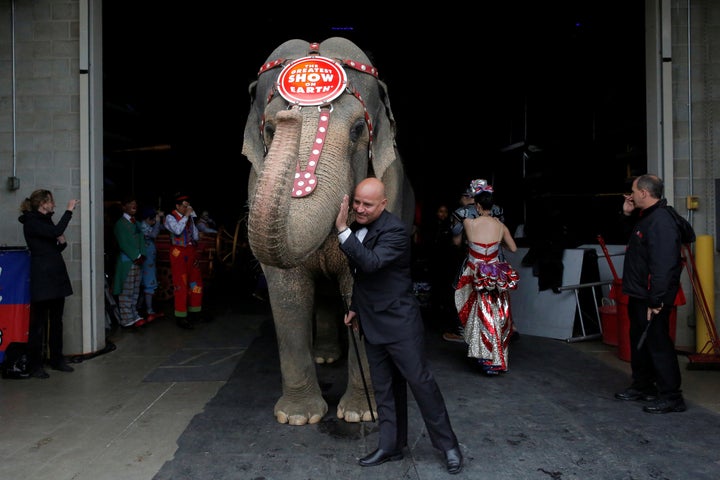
(328, 319)
(354, 406)
(291, 295)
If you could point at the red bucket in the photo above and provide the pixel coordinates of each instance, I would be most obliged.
(623, 329)
(609, 322)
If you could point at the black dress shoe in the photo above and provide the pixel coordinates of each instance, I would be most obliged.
(454, 460)
(183, 322)
(62, 367)
(380, 456)
(666, 406)
(633, 394)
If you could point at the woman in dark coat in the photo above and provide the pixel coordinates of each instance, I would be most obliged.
(49, 280)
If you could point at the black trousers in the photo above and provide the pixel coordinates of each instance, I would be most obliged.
(46, 321)
(394, 367)
(655, 364)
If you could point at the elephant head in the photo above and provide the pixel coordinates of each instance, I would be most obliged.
(319, 123)
(281, 135)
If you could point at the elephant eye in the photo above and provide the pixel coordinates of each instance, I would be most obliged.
(268, 133)
(357, 130)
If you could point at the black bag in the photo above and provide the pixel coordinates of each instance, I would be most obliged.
(687, 234)
(16, 363)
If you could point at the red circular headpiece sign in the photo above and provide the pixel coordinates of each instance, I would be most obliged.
(312, 81)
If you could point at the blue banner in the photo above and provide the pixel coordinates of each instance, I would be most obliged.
(14, 276)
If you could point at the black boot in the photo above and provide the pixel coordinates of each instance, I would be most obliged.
(183, 322)
(39, 372)
(200, 317)
(61, 366)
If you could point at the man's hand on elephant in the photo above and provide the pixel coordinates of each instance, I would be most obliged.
(342, 218)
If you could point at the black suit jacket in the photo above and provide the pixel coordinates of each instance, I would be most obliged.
(383, 298)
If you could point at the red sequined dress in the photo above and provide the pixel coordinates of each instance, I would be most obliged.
(482, 299)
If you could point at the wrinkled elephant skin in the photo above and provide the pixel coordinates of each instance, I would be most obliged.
(293, 238)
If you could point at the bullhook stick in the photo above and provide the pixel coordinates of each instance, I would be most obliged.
(359, 360)
(645, 332)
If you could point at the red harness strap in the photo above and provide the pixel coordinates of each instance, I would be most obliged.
(305, 179)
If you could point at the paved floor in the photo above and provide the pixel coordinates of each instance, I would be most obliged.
(174, 404)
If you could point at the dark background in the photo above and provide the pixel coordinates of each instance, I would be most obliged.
(547, 103)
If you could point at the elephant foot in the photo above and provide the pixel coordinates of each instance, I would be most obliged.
(296, 410)
(328, 354)
(321, 360)
(354, 408)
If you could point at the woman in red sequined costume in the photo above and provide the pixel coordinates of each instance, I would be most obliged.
(482, 295)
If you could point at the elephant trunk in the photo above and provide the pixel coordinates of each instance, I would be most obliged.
(270, 203)
(284, 231)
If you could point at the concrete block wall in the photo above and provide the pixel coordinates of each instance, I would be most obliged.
(696, 93)
(39, 143)
(696, 121)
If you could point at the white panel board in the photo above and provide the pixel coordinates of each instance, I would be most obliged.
(546, 313)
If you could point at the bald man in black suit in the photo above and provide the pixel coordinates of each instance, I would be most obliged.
(384, 308)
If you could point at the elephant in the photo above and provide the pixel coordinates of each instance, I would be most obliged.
(319, 122)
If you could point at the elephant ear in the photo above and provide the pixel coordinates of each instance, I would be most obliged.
(252, 141)
(387, 164)
(384, 148)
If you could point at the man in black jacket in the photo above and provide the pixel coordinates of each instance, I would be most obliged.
(388, 314)
(651, 279)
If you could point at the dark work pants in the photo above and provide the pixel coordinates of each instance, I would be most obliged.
(656, 363)
(46, 318)
(391, 366)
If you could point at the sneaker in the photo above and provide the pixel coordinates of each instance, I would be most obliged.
(633, 394)
(666, 405)
(453, 337)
